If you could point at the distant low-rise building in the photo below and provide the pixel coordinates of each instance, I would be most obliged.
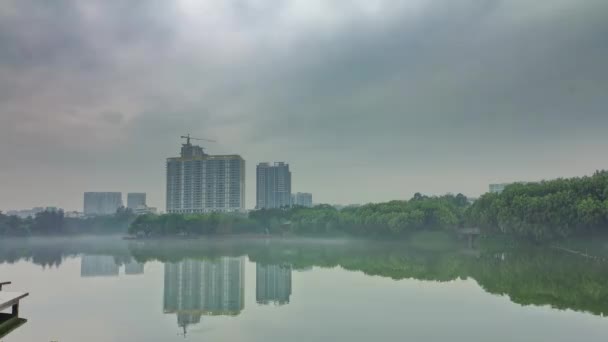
(73, 214)
(498, 188)
(25, 213)
(136, 199)
(143, 210)
(302, 199)
(102, 203)
(345, 206)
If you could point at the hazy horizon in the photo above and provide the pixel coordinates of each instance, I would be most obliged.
(367, 101)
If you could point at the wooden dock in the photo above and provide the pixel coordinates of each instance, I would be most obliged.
(10, 321)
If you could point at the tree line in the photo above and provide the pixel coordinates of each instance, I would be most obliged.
(382, 219)
(545, 210)
(539, 211)
(55, 223)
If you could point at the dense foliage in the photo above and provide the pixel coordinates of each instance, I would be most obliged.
(382, 219)
(55, 223)
(177, 224)
(545, 210)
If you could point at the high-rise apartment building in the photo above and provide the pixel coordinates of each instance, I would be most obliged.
(273, 185)
(272, 284)
(136, 200)
(303, 199)
(202, 183)
(102, 203)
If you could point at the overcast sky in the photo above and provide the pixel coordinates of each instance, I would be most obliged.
(368, 100)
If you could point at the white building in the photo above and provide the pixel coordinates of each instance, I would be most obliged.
(303, 199)
(73, 214)
(102, 203)
(29, 212)
(143, 210)
(202, 183)
(136, 200)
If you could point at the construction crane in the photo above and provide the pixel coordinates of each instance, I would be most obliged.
(188, 138)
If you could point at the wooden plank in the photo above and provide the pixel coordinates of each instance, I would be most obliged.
(8, 299)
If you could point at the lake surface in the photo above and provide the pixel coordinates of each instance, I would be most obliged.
(107, 289)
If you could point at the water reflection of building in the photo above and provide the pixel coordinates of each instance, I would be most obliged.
(98, 266)
(273, 284)
(133, 267)
(195, 288)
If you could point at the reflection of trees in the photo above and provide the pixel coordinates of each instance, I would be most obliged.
(545, 277)
(534, 276)
(48, 252)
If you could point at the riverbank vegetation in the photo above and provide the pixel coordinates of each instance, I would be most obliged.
(545, 210)
(55, 223)
(393, 218)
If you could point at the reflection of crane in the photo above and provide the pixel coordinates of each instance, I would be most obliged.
(188, 138)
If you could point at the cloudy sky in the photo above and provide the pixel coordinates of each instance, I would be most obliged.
(368, 100)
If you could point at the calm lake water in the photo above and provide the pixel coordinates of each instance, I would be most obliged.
(107, 289)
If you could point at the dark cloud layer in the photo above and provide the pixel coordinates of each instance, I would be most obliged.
(368, 101)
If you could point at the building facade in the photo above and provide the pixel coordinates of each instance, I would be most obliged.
(498, 188)
(303, 199)
(136, 200)
(273, 186)
(102, 203)
(202, 183)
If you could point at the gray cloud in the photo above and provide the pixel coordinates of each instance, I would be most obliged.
(368, 101)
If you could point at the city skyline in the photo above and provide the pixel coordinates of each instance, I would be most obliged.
(368, 101)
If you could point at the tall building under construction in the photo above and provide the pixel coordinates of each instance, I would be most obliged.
(201, 183)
